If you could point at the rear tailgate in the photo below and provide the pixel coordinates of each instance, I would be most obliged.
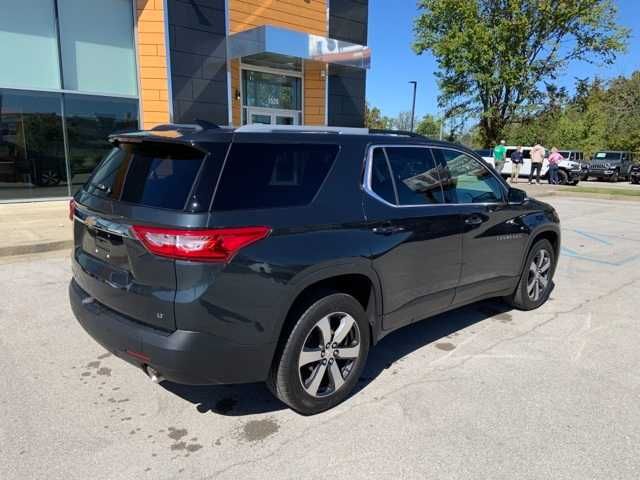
(151, 184)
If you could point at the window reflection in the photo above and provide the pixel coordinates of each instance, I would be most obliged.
(465, 180)
(90, 120)
(32, 160)
(416, 175)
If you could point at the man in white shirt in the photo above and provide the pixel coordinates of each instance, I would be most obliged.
(537, 157)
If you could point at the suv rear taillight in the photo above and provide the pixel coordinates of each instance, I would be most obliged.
(72, 209)
(212, 245)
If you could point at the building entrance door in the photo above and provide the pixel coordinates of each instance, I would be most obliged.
(269, 116)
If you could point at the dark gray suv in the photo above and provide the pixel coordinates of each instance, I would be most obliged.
(212, 255)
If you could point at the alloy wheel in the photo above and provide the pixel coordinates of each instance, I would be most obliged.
(329, 354)
(539, 275)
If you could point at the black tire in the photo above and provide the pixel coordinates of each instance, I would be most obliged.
(286, 377)
(521, 298)
(614, 178)
(563, 177)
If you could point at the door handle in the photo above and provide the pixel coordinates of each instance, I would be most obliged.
(474, 220)
(388, 230)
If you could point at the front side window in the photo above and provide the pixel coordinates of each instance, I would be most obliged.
(465, 180)
(415, 174)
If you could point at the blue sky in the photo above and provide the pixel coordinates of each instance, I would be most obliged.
(394, 63)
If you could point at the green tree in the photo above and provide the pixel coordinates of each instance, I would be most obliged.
(495, 56)
(601, 115)
(373, 118)
(402, 121)
(429, 126)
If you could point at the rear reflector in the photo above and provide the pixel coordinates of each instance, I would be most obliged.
(209, 245)
(72, 209)
(139, 356)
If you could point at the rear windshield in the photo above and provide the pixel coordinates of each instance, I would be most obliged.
(259, 176)
(154, 175)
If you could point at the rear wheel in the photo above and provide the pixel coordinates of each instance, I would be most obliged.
(324, 355)
(536, 280)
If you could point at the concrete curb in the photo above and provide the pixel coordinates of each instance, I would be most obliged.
(35, 248)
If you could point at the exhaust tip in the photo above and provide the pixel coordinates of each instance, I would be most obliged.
(154, 375)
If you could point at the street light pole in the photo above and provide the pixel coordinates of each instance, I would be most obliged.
(413, 105)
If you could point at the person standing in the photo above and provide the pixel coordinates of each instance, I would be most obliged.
(554, 160)
(516, 164)
(499, 155)
(537, 157)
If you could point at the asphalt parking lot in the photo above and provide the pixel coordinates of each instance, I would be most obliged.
(483, 392)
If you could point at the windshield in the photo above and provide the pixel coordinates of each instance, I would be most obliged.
(611, 156)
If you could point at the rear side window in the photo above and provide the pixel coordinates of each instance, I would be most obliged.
(381, 181)
(153, 175)
(259, 176)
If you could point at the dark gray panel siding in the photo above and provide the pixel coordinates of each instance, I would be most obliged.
(198, 60)
(348, 21)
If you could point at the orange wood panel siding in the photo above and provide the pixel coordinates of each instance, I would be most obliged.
(236, 104)
(152, 63)
(314, 93)
(303, 15)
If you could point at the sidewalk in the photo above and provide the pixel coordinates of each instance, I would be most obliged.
(35, 227)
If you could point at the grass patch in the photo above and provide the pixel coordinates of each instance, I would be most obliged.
(623, 192)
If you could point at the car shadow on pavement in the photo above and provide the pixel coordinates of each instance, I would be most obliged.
(255, 398)
(440, 330)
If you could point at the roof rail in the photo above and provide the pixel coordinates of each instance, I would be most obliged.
(263, 128)
(386, 131)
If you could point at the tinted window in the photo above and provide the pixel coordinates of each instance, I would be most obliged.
(260, 175)
(465, 180)
(90, 120)
(155, 176)
(381, 182)
(415, 175)
(31, 145)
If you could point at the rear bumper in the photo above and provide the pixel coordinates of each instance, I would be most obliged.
(182, 356)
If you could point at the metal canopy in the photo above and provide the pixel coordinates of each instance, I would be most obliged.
(282, 41)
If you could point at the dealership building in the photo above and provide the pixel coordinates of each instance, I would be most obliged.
(75, 71)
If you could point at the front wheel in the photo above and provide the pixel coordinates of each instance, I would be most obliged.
(323, 356)
(536, 280)
(563, 177)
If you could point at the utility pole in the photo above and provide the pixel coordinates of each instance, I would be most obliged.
(442, 123)
(413, 105)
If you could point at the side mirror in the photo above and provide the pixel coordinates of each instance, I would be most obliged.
(517, 196)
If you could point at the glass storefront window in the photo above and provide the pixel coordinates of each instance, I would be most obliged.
(97, 46)
(28, 45)
(269, 90)
(32, 160)
(90, 120)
